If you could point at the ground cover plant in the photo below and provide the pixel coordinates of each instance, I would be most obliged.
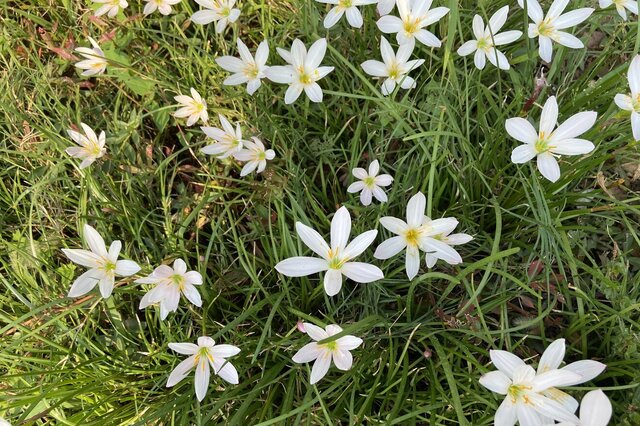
(464, 213)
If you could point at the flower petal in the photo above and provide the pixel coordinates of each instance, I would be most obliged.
(332, 282)
(312, 239)
(320, 367)
(552, 356)
(506, 362)
(184, 348)
(359, 244)
(307, 353)
(496, 381)
(362, 272)
(340, 228)
(521, 130)
(595, 409)
(301, 266)
(548, 166)
(181, 371)
(343, 360)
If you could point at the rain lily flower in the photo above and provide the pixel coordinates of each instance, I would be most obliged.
(395, 66)
(348, 7)
(256, 156)
(337, 259)
(595, 410)
(103, 265)
(246, 69)
(487, 38)
(336, 350)
(547, 28)
(631, 102)
(414, 16)
(94, 63)
(91, 147)
(417, 233)
(110, 7)
(164, 6)
(630, 5)
(203, 356)
(303, 71)
(370, 183)
(220, 11)
(550, 361)
(385, 6)
(547, 142)
(228, 140)
(193, 107)
(447, 238)
(169, 283)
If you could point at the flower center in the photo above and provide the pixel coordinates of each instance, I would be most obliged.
(252, 71)
(261, 155)
(484, 43)
(109, 266)
(394, 72)
(178, 280)
(332, 346)
(412, 237)
(369, 181)
(545, 28)
(305, 78)
(635, 103)
(345, 3)
(225, 11)
(519, 393)
(411, 26)
(335, 261)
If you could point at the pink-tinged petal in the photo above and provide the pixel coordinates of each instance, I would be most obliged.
(307, 353)
(312, 239)
(320, 367)
(184, 348)
(342, 359)
(521, 130)
(181, 371)
(506, 362)
(332, 282)
(548, 166)
(362, 272)
(496, 381)
(301, 266)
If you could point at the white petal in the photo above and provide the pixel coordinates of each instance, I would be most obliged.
(279, 74)
(550, 408)
(191, 293)
(348, 343)
(362, 272)
(316, 54)
(202, 378)
(343, 360)
(468, 48)
(552, 356)
(355, 187)
(307, 353)
(428, 38)
(506, 37)
(315, 332)
(527, 416)
(635, 125)
(496, 381)
(82, 257)
(521, 130)
(506, 362)
(523, 153)
(340, 228)
(575, 126)
(554, 378)
(595, 409)
(573, 18)
(477, 25)
(497, 21)
(106, 284)
(227, 372)
(292, 94)
(184, 348)
(375, 68)
(95, 241)
(549, 117)
(548, 166)
(505, 414)
(312, 239)
(181, 371)
(568, 40)
(301, 266)
(224, 351)
(634, 75)
(83, 284)
(332, 282)
(545, 49)
(572, 147)
(354, 17)
(415, 210)
(389, 24)
(394, 225)
(586, 369)
(390, 247)
(360, 244)
(314, 92)
(125, 268)
(412, 262)
(320, 367)
(480, 59)
(624, 102)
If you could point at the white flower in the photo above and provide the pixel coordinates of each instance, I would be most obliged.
(336, 260)
(303, 71)
(595, 410)
(447, 238)
(336, 350)
(204, 355)
(370, 183)
(103, 265)
(547, 28)
(228, 140)
(164, 6)
(94, 63)
(631, 102)
(246, 69)
(531, 396)
(414, 16)
(547, 142)
(385, 6)
(631, 5)
(417, 233)
(487, 38)
(348, 7)
(193, 107)
(220, 11)
(169, 283)
(110, 7)
(395, 66)
(91, 147)
(255, 155)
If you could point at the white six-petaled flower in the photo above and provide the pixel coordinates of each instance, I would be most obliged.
(323, 353)
(246, 69)
(531, 396)
(228, 140)
(487, 38)
(370, 183)
(395, 66)
(385, 6)
(547, 27)
(631, 102)
(110, 7)
(595, 410)
(193, 107)
(256, 156)
(169, 283)
(621, 5)
(414, 16)
(417, 233)
(446, 237)
(103, 265)
(90, 147)
(95, 62)
(303, 71)
(163, 6)
(348, 7)
(220, 11)
(335, 259)
(203, 356)
(546, 143)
